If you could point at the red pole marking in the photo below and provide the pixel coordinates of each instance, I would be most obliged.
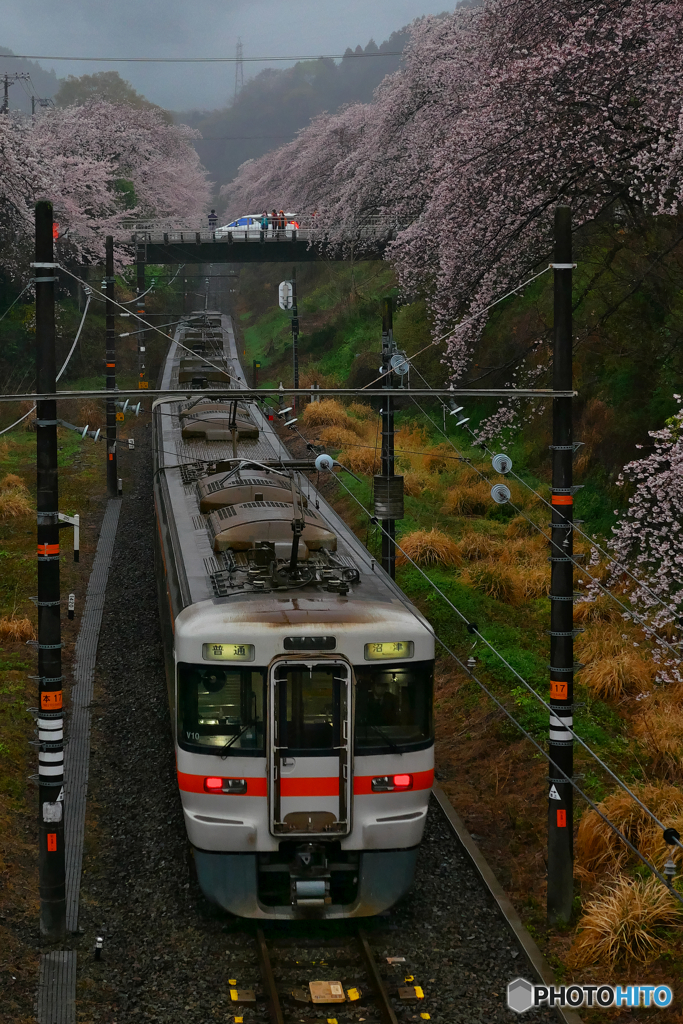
(561, 819)
(52, 842)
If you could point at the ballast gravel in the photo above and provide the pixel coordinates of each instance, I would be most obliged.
(167, 954)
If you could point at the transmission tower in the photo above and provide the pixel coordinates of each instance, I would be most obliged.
(239, 68)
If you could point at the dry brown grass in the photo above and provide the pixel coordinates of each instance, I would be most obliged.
(476, 546)
(330, 413)
(440, 459)
(362, 411)
(469, 499)
(30, 422)
(498, 581)
(429, 548)
(613, 666)
(361, 460)
(620, 923)
(11, 481)
(519, 527)
(615, 676)
(82, 412)
(535, 581)
(600, 610)
(415, 483)
(659, 727)
(16, 629)
(15, 500)
(599, 850)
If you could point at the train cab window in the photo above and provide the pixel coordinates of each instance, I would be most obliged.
(310, 705)
(221, 710)
(394, 707)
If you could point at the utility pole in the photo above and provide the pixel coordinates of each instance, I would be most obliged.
(561, 743)
(51, 864)
(110, 345)
(7, 80)
(295, 337)
(388, 488)
(140, 309)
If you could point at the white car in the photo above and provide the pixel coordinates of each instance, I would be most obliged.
(250, 226)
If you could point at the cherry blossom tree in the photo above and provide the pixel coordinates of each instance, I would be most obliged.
(649, 535)
(499, 114)
(81, 157)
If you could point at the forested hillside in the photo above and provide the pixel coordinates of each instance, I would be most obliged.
(276, 104)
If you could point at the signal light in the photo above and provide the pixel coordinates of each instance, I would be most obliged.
(212, 785)
(392, 783)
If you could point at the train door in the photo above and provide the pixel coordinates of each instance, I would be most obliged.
(310, 743)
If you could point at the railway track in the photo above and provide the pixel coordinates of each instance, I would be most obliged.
(321, 978)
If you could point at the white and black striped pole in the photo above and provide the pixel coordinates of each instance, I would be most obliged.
(51, 863)
(561, 742)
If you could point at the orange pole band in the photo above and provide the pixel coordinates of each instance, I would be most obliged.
(562, 499)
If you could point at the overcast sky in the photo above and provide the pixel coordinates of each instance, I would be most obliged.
(197, 28)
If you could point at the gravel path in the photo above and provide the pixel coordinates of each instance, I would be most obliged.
(168, 954)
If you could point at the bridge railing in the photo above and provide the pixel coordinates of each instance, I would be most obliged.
(173, 232)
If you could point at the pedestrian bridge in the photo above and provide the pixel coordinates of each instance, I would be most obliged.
(169, 242)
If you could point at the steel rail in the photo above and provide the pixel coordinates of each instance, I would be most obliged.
(272, 995)
(247, 393)
(386, 1010)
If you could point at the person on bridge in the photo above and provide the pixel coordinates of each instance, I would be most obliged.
(274, 221)
(264, 221)
(283, 222)
(213, 219)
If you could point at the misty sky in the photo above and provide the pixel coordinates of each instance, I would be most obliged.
(197, 28)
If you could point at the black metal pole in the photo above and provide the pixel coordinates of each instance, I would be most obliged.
(561, 744)
(112, 473)
(50, 715)
(140, 309)
(387, 466)
(295, 337)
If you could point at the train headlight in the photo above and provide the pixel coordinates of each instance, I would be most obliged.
(392, 783)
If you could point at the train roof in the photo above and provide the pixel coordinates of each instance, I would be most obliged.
(341, 574)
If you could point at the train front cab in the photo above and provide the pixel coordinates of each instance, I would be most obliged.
(318, 798)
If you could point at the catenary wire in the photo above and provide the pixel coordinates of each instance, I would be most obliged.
(205, 60)
(521, 728)
(152, 327)
(571, 781)
(507, 664)
(25, 289)
(66, 363)
(591, 540)
(629, 611)
(463, 323)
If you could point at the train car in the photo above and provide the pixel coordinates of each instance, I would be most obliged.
(300, 677)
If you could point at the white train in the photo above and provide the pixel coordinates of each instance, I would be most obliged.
(300, 677)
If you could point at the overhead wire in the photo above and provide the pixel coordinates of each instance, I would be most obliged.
(459, 326)
(206, 60)
(150, 326)
(649, 629)
(473, 629)
(25, 289)
(64, 365)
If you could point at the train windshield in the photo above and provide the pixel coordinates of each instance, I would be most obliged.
(221, 710)
(394, 707)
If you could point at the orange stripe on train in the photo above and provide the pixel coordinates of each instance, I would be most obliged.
(304, 787)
